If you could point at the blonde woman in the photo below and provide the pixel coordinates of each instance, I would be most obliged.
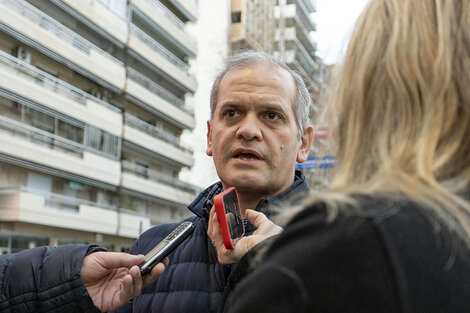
(393, 233)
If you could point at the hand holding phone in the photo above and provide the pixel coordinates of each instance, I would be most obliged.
(167, 245)
(230, 217)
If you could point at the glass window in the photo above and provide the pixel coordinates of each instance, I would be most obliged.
(133, 204)
(67, 241)
(3, 241)
(108, 245)
(236, 17)
(101, 141)
(69, 131)
(10, 109)
(40, 120)
(142, 168)
(19, 243)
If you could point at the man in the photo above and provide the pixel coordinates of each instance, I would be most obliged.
(259, 128)
(70, 278)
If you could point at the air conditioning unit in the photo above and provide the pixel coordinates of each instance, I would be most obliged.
(23, 54)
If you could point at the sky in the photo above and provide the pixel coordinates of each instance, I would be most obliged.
(335, 20)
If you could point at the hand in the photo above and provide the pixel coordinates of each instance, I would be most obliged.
(264, 229)
(113, 278)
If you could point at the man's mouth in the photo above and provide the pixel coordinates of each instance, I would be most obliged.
(246, 156)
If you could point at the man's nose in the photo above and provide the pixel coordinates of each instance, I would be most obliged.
(250, 128)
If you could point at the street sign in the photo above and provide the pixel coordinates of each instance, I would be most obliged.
(315, 162)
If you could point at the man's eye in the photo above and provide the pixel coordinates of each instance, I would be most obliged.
(230, 113)
(273, 116)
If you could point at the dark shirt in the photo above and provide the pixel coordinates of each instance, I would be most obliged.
(394, 258)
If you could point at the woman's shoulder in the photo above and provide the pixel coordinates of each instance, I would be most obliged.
(375, 208)
(376, 246)
(370, 223)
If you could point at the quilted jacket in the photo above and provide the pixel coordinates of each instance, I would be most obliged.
(45, 279)
(194, 281)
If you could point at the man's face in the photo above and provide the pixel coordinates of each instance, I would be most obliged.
(253, 134)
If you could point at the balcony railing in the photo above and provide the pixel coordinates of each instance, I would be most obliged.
(65, 203)
(303, 12)
(157, 4)
(301, 28)
(156, 89)
(48, 81)
(158, 47)
(306, 55)
(49, 24)
(39, 136)
(52, 141)
(154, 132)
(156, 176)
(310, 82)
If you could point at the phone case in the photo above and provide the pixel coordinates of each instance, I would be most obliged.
(221, 217)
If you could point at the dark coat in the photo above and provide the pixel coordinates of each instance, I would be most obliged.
(395, 258)
(194, 281)
(45, 279)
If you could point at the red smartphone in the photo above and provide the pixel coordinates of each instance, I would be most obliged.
(229, 216)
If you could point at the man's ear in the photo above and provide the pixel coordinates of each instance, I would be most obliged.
(209, 141)
(305, 144)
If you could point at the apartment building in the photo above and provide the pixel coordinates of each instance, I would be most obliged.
(279, 27)
(293, 43)
(252, 25)
(94, 96)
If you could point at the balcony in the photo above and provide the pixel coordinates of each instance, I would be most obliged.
(296, 36)
(158, 56)
(295, 50)
(25, 143)
(187, 7)
(36, 29)
(304, 58)
(100, 17)
(157, 184)
(22, 79)
(162, 103)
(157, 140)
(308, 6)
(294, 15)
(173, 27)
(303, 10)
(311, 84)
(21, 204)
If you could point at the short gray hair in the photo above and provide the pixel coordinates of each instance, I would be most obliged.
(302, 100)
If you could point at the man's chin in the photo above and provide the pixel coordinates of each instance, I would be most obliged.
(248, 183)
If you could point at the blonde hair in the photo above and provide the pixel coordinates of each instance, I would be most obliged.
(400, 109)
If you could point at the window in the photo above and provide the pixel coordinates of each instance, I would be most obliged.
(101, 141)
(67, 241)
(40, 120)
(142, 168)
(70, 132)
(39, 182)
(10, 109)
(22, 242)
(236, 17)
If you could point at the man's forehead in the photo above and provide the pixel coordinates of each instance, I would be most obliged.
(262, 76)
(261, 67)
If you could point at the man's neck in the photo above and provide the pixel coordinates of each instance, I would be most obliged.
(247, 202)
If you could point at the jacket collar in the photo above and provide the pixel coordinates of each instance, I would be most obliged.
(204, 201)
